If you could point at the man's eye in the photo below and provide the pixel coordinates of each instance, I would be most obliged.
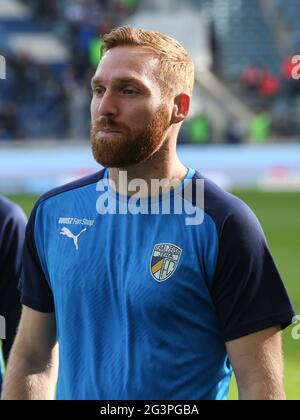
(98, 91)
(129, 91)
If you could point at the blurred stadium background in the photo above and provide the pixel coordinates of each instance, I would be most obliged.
(243, 131)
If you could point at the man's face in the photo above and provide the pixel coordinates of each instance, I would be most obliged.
(129, 118)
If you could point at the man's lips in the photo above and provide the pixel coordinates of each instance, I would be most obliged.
(108, 131)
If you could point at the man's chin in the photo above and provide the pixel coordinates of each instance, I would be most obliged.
(112, 159)
(114, 163)
(122, 160)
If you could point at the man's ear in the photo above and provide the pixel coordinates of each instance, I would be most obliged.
(182, 103)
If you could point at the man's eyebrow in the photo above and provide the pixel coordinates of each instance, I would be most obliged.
(117, 81)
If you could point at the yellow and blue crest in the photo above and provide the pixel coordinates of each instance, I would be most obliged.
(164, 261)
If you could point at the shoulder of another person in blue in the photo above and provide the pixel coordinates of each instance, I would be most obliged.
(12, 232)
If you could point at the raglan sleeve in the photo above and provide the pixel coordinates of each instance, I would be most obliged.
(34, 285)
(248, 291)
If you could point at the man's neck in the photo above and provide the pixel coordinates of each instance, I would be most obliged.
(156, 168)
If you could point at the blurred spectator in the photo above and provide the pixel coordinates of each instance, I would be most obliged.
(4, 40)
(183, 137)
(32, 102)
(9, 129)
(39, 101)
(260, 128)
(95, 52)
(199, 129)
(252, 77)
(44, 10)
(269, 86)
(283, 125)
(43, 102)
(236, 132)
(126, 8)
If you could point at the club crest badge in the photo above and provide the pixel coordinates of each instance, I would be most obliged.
(164, 261)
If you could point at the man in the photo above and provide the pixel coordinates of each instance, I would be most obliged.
(145, 305)
(12, 233)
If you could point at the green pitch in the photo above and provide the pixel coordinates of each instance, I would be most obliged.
(279, 214)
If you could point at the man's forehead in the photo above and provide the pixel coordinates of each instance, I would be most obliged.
(130, 57)
(127, 62)
(132, 51)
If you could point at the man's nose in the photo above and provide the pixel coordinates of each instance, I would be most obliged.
(107, 105)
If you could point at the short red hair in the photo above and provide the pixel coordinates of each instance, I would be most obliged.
(176, 69)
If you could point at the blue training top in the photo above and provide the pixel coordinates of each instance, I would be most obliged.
(12, 233)
(144, 303)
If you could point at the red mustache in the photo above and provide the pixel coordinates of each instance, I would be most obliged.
(107, 125)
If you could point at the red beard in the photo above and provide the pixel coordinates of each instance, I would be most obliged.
(128, 148)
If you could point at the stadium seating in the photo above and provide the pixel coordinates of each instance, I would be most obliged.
(245, 37)
(47, 46)
(34, 59)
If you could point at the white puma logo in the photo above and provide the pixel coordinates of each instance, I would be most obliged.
(66, 232)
